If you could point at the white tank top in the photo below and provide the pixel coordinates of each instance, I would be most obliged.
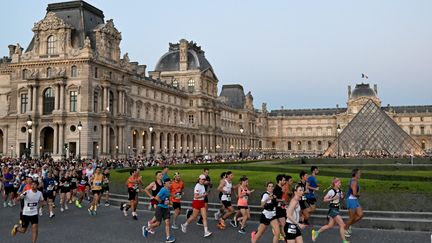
(226, 194)
(296, 214)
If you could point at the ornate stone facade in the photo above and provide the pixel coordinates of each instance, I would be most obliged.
(72, 72)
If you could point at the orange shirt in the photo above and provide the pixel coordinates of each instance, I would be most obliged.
(132, 181)
(176, 191)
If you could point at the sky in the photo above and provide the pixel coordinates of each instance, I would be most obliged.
(295, 54)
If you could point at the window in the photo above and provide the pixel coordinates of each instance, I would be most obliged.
(24, 73)
(191, 85)
(309, 145)
(299, 145)
(422, 130)
(191, 103)
(110, 75)
(411, 130)
(175, 83)
(319, 145)
(74, 71)
(95, 102)
(49, 72)
(73, 101)
(240, 116)
(51, 45)
(191, 119)
(24, 102)
(111, 102)
(289, 146)
(423, 144)
(48, 101)
(95, 72)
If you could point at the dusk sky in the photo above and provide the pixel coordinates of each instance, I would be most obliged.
(296, 54)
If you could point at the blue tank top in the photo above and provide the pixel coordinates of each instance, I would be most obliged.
(350, 191)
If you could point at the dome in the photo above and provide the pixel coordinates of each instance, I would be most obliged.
(362, 90)
(170, 61)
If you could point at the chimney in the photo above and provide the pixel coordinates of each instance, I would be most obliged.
(349, 91)
(376, 89)
(183, 55)
(11, 50)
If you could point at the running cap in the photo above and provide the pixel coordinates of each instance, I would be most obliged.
(176, 173)
(203, 177)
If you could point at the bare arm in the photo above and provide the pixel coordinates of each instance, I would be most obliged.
(221, 185)
(354, 189)
(148, 188)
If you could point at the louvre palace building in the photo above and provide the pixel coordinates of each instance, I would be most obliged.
(73, 92)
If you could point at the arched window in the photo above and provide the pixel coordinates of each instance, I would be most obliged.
(191, 85)
(48, 101)
(51, 45)
(289, 146)
(175, 83)
(74, 71)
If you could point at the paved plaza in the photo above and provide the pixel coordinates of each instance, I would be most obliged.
(75, 225)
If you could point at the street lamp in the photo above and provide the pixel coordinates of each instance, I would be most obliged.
(40, 151)
(128, 151)
(80, 126)
(116, 151)
(11, 147)
(151, 142)
(338, 129)
(29, 123)
(217, 148)
(97, 152)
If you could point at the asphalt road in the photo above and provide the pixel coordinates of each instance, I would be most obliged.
(75, 225)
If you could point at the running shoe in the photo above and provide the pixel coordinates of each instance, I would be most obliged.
(94, 212)
(107, 204)
(14, 230)
(66, 207)
(207, 234)
(144, 231)
(253, 233)
(11, 204)
(242, 231)
(121, 206)
(4, 204)
(183, 228)
(217, 215)
(174, 226)
(51, 215)
(233, 223)
(170, 239)
(90, 212)
(61, 209)
(135, 217)
(281, 237)
(345, 241)
(347, 233)
(315, 234)
(77, 204)
(125, 212)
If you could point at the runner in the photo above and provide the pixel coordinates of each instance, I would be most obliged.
(242, 203)
(31, 198)
(73, 185)
(96, 187)
(8, 181)
(83, 183)
(155, 187)
(303, 203)
(48, 193)
(177, 188)
(133, 183)
(312, 186)
(334, 196)
(268, 215)
(355, 211)
(226, 188)
(105, 186)
(287, 190)
(208, 185)
(280, 208)
(198, 206)
(221, 210)
(65, 193)
(165, 175)
(162, 212)
(293, 225)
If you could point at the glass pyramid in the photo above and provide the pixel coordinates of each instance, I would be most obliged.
(373, 133)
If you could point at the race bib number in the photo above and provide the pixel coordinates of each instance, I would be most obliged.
(98, 183)
(83, 182)
(178, 195)
(245, 197)
(292, 229)
(32, 206)
(228, 197)
(66, 184)
(166, 201)
(50, 187)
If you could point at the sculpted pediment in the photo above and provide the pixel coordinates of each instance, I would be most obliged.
(51, 22)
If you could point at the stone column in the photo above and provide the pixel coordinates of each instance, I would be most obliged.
(62, 99)
(157, 143)
(55, 143)
(104, 139)
(105, 99)
(61, 139)
(33, 140)
(56, 97)
(35, 97)
(6, 150)
(30, 97)
(148, 145)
